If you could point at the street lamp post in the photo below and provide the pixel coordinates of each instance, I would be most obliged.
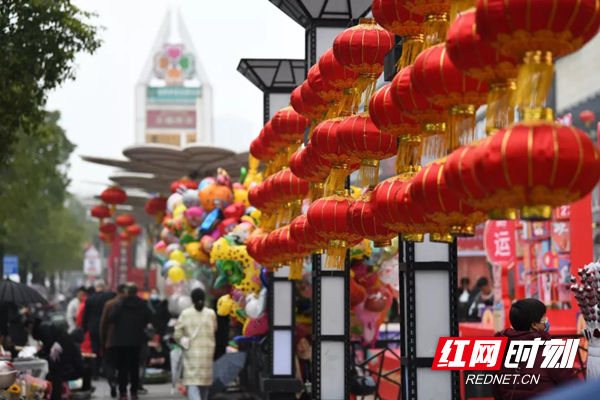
(277, 79)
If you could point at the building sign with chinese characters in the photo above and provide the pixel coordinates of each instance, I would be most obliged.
(173, 94)
(499, 241)
(171, 119)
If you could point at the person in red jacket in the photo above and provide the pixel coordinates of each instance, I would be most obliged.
(529, 322)
(86, 346)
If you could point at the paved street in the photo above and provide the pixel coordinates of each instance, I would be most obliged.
(155, 392)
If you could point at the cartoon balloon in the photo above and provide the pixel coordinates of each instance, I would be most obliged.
(190, 198)
(194, 216)
(177, 255)
(205, 182)
(173, 201)
(176, 274)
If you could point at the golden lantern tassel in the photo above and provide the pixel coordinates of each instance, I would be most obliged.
(461, 126)
(296, 267)
(435, 29)
(458, 6)
(441, 238)
(365, 88)
(316, 191)
(500, 106)
(409, 154)
(412, 46)
(534, 80)
(345, 105)
(368, 173)
(334, 109)
(336, 255)
(337, 178)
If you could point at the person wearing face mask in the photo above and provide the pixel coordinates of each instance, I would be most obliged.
(529, 322)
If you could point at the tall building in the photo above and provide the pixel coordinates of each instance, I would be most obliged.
(173, 95)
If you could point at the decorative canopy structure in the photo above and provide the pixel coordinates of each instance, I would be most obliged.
(325, 12)
(152, 167)
(273, 75)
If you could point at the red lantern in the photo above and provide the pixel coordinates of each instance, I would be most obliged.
(430, 192)
(134, 230)
(306, 235)
(536, 32)
(124, 236)
(113, 196)
(362, 49)
(326, 143)
(156, 205)
(432, 118)
(537, 165)
(183, 183)
(437, 78)
(108, 228)
(100, 212)
(288, 191)
(393, 16)
(587, 117)
(276, 144)
(302, 168)
(322, 87)
(125, 220)
(392, 121)
(389, 206)
(292, 252)
(478, 59)
(362, 222)
(106, 238)
(290, 125)
(341, 78)
(328, 216)
(361, 139)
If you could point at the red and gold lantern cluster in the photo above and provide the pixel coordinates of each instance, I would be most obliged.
(113, 196)
(156, 206)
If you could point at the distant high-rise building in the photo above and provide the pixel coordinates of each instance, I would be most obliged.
(173, 95)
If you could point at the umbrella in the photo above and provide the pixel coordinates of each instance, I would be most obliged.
(226, 369)
(12, 292)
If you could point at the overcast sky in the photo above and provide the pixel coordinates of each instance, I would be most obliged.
(98, 107)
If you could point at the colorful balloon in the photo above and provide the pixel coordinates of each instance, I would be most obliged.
(176, 274)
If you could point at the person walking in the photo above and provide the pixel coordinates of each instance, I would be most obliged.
(91, 320)
(195, 332)
(73, 308)
(130, 316)
(106, 338)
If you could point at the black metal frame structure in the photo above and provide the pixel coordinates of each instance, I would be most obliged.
(408, 324)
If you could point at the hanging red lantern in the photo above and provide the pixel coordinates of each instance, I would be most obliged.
(106, 238)
(389, 207)
(293, 252)
(124, 236)
(108, 228)
(134, 230)
(362, 49)
(306, 235)
(326, 143)
(125, 220)
(289, 191)
(536, 165)
(432, 118)
(431, 193)
(259, 151)
(302, 168)
(362, 221)
(437, 78)
(587, 117)
(328, 216)
(277, 145)
(341, 78)
(184, 183)
(361, 139)
(101, 211)
(113, 196)
(391, 120)
(535, 33)
(478, 59)
(324, 89)
(394, 17)
(156, 206)
(289, 125)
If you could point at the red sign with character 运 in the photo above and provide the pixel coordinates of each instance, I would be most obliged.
(499, 241)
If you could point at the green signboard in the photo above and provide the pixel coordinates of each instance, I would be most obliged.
(173, 94)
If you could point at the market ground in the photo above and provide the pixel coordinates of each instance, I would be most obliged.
(157, 392)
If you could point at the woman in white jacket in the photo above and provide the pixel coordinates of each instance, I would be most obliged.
(195, 331)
